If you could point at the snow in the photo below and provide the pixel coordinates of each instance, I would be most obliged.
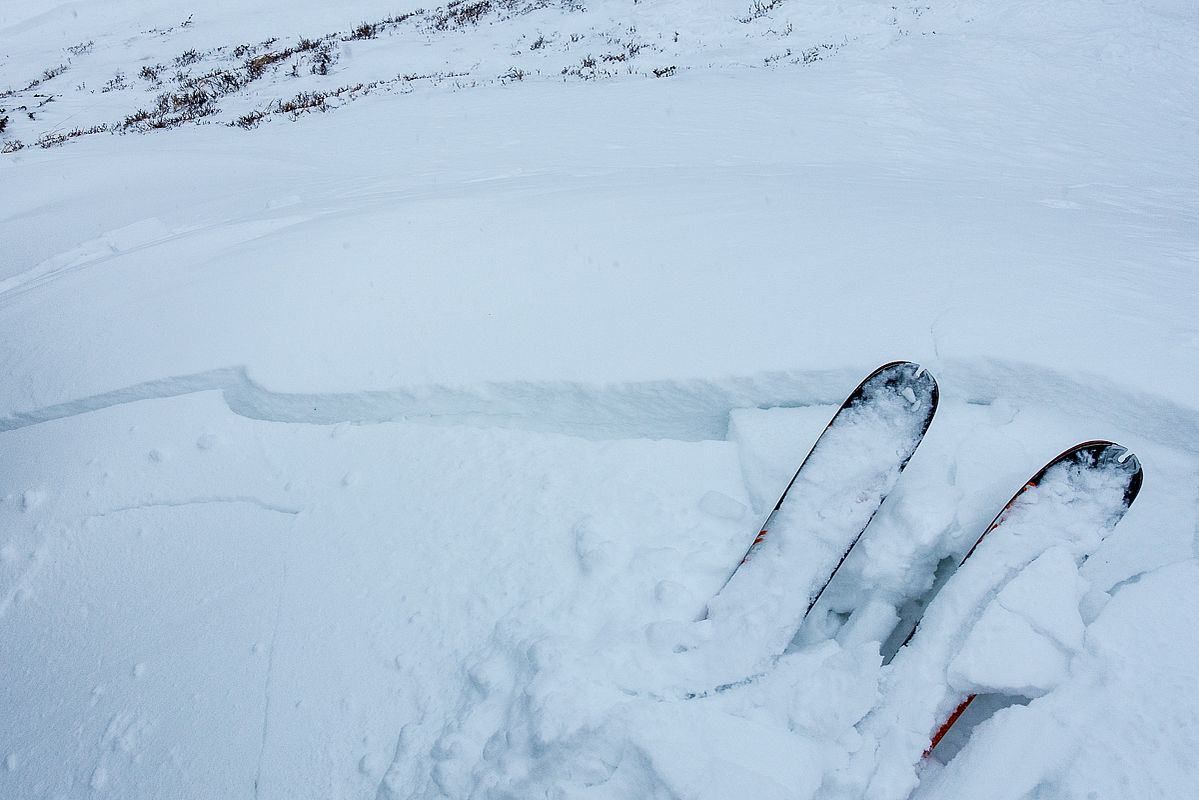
(1024, 640)
(1086, 735)
(393, 448)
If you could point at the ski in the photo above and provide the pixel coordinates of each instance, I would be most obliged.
(1068, 468)
(827, 505)
(1058, 517)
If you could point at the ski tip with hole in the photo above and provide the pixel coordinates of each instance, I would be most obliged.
(1099, 454)
(907, 378)
(1104, 455)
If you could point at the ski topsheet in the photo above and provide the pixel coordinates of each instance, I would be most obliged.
(824, 510)
(1047, 529)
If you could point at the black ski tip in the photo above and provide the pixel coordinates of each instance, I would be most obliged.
(1110, 455)
(1104, 454)
(899, 375)
(1136, 478)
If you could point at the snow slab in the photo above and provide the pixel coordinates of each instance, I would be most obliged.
(1022, 644)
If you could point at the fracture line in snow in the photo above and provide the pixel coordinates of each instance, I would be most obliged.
(687, 410)
(684, 410)
(149, 390)
(200, 501)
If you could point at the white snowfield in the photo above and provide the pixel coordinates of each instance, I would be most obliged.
(385, 393)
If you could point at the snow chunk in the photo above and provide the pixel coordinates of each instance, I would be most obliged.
(772, 442)
(1130, 699)
(1047, 594)
(1024, 640)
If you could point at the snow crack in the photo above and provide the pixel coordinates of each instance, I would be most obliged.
(254, 501)
(683, 410)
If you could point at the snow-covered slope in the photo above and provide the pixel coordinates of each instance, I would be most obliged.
(386, 391)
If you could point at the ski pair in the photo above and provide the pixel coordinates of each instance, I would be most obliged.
(840, 486)
(827, 506)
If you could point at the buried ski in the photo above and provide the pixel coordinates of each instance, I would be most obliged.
(1069, 478)
(973, 637)
(824, 509)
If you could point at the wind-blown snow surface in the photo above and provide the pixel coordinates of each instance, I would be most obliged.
(392, 451)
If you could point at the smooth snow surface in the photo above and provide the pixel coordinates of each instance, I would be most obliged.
(381, 425)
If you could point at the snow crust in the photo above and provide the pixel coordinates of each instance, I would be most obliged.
(393, 450)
